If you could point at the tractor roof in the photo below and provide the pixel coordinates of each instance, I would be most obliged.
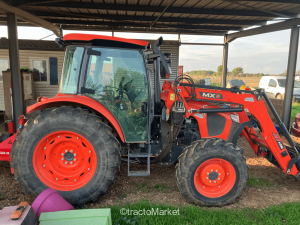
(102, 40)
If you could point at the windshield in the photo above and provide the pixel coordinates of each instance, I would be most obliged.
(281, 83)
(119, 80)
(71, 69)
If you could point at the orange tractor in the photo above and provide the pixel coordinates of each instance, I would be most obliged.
(110, 107)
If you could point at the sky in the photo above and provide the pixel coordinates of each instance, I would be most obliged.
(265, 53)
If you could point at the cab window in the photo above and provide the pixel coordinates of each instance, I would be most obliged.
(118, 78)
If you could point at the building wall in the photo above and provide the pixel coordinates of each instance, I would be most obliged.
(40, 88)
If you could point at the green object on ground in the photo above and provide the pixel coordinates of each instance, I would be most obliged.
(77, 217)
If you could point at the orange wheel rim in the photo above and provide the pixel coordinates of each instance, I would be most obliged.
(214, 178)
(64, 160)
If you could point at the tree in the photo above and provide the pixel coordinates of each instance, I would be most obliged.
(237, 70)
(260, 75)
(284, 73)
(220, 69)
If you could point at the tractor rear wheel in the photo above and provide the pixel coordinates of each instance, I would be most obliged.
(212, 172)
(67, 149)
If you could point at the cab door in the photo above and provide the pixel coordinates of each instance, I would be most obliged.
(119, 80)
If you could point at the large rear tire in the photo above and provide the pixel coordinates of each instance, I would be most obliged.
(69, 150)
(212, 172)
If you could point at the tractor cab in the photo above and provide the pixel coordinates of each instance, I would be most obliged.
(112, 71)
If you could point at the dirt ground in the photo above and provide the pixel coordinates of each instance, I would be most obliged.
(161, 187)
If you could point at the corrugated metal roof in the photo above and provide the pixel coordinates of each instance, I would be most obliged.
(33, 45)
(162, 16)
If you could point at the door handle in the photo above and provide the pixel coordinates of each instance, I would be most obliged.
(144, 109)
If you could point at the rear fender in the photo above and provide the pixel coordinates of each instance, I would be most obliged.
(81, 101)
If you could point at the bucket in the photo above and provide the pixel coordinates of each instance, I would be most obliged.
(50, 201)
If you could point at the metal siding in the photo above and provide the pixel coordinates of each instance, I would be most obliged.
(40, 88)
(2, 105)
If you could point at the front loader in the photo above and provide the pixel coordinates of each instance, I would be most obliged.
(110, 108)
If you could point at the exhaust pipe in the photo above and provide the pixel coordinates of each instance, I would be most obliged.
(156, 65)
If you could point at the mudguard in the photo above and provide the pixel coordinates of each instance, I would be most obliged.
(78, 100)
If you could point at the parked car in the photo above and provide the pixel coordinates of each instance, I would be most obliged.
(275, 87)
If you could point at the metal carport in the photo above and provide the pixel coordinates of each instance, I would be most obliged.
(196, 17)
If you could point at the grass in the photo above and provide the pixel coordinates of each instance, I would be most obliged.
(287, 213)
(124, 195)
(258, 182)
(295, 110)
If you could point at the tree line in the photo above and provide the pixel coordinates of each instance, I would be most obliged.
(236, 72)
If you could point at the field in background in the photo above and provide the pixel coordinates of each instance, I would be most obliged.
(216, 80)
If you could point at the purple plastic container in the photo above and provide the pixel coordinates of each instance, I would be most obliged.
(50, 201)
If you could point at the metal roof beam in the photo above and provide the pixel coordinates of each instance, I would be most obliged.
(264, 29)
(149, 8)
(26, 16)
(142, 30)
(271, 1)
(130, 24)
(149, 18)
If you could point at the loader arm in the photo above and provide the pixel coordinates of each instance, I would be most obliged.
(244, 103)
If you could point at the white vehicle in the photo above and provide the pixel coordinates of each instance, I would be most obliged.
(275, 87)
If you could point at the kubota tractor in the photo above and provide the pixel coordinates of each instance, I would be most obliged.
(109, 109)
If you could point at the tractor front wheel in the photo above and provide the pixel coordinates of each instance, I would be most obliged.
(67, 149)
(211, 172)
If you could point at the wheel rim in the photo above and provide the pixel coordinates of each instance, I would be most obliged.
(214, 178)
(64, 160)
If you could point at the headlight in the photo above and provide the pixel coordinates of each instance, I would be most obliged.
(235, 118)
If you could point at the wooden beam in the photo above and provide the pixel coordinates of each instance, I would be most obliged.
(26, 16)
(264, 29)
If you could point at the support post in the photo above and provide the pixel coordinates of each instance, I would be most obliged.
(225, 61)
(113, 31)
(16, 82)
(291, 71)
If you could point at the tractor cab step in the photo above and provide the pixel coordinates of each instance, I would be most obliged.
(139, 173)
(139, 155)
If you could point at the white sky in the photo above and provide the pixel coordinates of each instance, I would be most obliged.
(265, 53)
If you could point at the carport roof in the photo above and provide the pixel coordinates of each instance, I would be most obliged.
(212, 17)
(32, 45)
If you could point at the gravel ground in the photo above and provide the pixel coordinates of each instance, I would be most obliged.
(161, 187)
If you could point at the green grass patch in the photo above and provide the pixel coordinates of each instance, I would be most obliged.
(186, 215)
(162, 187)
(258, 182)
(295, 110)
(124, 195)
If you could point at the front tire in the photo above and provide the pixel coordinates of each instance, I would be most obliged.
(67, 149)
(212, 172)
